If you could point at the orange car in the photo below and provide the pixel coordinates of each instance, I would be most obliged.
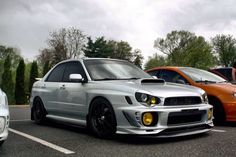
(221, 94)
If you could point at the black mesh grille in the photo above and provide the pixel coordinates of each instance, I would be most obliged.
(187, 116)
(175, 101)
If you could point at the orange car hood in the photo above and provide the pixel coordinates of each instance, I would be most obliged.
(218, 87)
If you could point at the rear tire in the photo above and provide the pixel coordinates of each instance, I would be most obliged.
(102, 121)
(39, 112)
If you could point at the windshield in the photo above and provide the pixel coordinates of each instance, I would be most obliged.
(104, 69)
(199, 75)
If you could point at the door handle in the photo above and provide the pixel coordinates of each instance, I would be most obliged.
(63, 87)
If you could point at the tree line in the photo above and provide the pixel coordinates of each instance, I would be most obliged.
(178, 48)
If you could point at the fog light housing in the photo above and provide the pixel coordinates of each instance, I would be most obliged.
(210, 114)
(147, 118)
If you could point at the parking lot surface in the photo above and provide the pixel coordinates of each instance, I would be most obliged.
(26, 139)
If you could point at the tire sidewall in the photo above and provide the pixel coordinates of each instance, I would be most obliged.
(91, 126)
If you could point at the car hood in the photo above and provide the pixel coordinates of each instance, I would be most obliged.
(161, 89)
(223, 87)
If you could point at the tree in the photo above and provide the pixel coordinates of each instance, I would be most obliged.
(155, 61)
(7, 82)
(33, 75)
(108, 49)
(224, 47)
(20, 86)
(66, 43)
(13, 53)
(46, 67)
(137, 58)
(98, 48)
(184, 48)
(122, 50)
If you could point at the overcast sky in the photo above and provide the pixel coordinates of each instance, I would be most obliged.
(26, 24)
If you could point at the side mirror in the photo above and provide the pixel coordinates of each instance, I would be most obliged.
(76, 78)
(180, 81)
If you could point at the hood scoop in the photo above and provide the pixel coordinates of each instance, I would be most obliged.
(151, 81)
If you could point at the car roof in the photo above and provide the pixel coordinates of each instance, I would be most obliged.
(166, 67)
(222, 68)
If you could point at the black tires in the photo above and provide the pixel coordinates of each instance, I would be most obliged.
(39, 113)
(218, 110)
(1, 142)
(101, 120)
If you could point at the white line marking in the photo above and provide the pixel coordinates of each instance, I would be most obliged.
(19, 120)
(45, 143)
(215, 130)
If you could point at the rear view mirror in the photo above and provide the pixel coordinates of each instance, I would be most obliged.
(76, 78)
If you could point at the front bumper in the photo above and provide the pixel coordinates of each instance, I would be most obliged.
(4, 123)
(172, 121)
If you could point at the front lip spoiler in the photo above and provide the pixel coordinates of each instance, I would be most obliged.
(189, 130)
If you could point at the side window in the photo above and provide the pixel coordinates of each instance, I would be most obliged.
(152, 73)
(73, 68)
(172, 76)
(56, 74)
(155, 73)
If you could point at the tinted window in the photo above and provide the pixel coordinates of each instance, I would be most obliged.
(172, 76)
(155, 73)
(227, 72)
(73, 68)
(56, 74)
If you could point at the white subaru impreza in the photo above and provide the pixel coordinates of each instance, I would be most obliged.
(4, 117)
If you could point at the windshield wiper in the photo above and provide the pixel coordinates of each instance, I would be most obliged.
(205, 81)
(104, 79)
(131, 78)
(223, 82)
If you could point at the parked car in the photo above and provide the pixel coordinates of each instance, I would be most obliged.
(226, 73)
(221, 95)
(113, 96)
(4, 117)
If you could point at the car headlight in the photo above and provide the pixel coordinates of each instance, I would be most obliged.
(205, 98)
(147, 100)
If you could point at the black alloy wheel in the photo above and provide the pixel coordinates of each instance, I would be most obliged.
(102, 121)
(38, 112)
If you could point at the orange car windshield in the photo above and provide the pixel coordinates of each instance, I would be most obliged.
(199, 75)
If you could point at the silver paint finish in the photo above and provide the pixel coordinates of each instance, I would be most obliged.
(70, 102)
(4, 115)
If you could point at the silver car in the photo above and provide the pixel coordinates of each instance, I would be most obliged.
(113, 96)
(4, 117)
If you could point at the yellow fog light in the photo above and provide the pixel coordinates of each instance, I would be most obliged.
(147, 118)
(153, 100)
(210, 114)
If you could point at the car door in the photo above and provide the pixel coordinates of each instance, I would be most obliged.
(52, 86)
(73, 94)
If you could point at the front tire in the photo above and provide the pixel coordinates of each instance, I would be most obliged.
(102, 121)
(1, 142)
(38, 112)
(218, 111)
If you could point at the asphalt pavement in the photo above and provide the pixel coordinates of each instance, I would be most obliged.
(26, 139)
